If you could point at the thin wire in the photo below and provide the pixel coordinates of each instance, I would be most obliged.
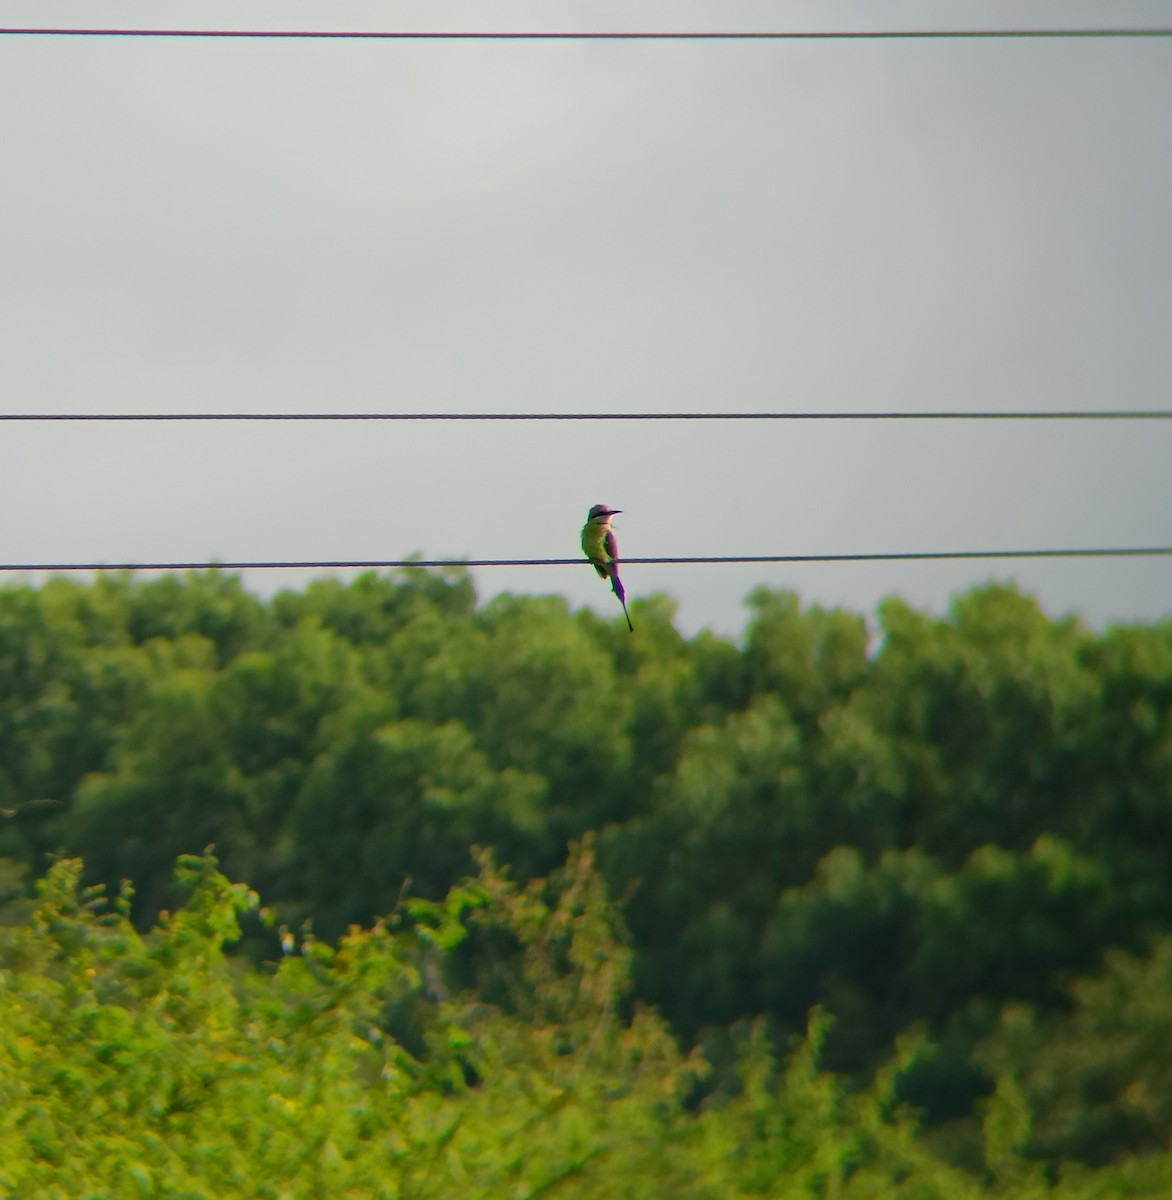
(1136, 414)
(386, 564)
(602, 35)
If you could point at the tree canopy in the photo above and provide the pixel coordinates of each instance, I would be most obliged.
(945, 836)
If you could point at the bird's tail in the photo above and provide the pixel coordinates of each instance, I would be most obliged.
(617, 587)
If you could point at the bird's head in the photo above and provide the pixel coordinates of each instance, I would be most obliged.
(600, 512)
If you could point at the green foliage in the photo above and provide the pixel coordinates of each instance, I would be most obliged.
(152, 1064)
(400, 803)
(935, 825)
(904, 836)
(807, 659)
(1097, 1078)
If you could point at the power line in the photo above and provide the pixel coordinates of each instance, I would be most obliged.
(700, 560)
(1137, 414)
(604, 35)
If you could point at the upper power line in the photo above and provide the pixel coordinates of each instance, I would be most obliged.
(606, 35)
(1073, 414)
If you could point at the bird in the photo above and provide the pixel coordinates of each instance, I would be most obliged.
(600, 547)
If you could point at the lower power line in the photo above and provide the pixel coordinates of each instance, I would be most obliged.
(697, 560)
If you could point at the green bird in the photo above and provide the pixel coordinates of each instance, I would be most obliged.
(600, 547)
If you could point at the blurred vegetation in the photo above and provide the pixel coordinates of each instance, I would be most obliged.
(946, 838)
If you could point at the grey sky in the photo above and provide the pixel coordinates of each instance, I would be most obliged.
(453, 226)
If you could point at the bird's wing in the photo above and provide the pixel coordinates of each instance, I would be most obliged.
(612, 547)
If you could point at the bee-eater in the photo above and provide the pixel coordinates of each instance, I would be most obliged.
(600, 547)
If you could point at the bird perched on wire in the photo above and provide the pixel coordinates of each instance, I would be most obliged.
(600, 547)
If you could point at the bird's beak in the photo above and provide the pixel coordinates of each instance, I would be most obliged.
(614, 511)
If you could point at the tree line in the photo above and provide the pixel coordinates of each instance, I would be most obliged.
(948, 836)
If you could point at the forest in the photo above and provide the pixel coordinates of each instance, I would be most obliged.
(374, 889)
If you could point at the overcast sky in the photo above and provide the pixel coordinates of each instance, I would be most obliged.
(451, 226)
